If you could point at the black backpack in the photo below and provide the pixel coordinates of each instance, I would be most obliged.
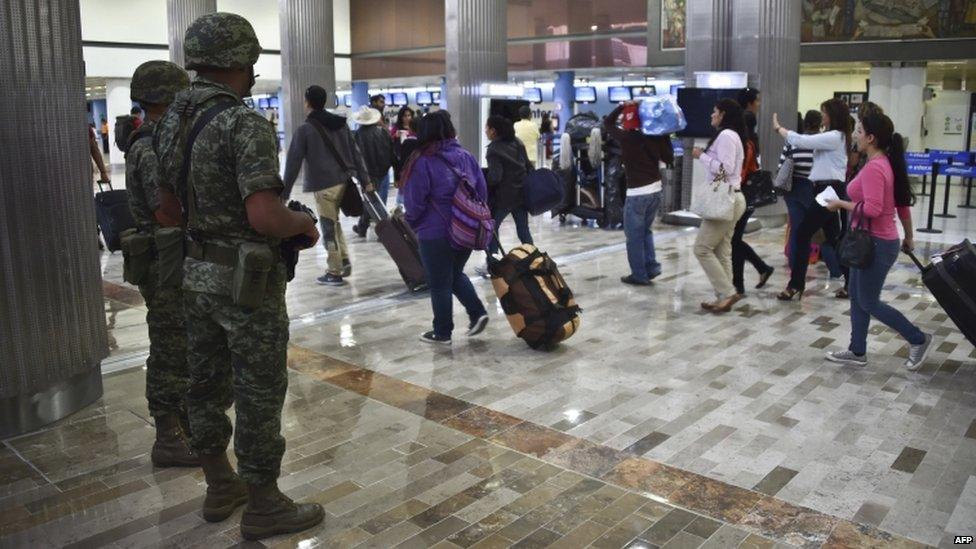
(124, 126)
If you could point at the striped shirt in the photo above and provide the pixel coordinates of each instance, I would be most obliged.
(802, 160)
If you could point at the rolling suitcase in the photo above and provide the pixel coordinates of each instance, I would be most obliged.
(400, 242)
(951, 277)
(537, 302)
(113, 215)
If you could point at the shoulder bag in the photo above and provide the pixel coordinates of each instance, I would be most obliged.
(352, 202)
(783, 182)
(857, 247)
(714, 200)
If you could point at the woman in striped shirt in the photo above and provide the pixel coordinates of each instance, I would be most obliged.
(800, 196)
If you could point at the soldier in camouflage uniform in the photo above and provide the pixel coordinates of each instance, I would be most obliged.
(154, 84)
(237, 354)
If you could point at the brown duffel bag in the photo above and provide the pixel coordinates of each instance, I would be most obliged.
(538, 303)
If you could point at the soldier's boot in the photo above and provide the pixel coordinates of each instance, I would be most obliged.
(225, 490)
(269, 513)
(171, 448)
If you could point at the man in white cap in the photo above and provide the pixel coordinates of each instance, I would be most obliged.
(376, 146)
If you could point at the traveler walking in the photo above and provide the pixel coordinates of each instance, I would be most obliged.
(237, 326)
(404, 142)
(722, 159)
(376, 146)
(431, 176)
(328, 149)
(800, 196)
(829, 170)
(154, 85)
(879, 191)
(642, 157)
(528, 133)
(508, 165)
(741, 250)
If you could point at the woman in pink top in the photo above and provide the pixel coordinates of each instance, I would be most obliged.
(881, 188)
(713, 246)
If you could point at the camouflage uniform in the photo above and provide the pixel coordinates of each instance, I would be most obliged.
(167, 376)
(237, 355)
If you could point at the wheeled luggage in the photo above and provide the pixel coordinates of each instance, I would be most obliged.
(951, 277)
(400, 242)
(539, 305)
(113, 216)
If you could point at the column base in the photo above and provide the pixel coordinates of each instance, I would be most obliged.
(26, 413)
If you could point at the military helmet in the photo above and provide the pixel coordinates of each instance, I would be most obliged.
(158, 82)
(221, 40)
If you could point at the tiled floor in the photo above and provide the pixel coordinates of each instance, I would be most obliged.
(656, 425)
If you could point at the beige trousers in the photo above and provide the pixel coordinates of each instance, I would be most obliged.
(327, 203)
(713, 248)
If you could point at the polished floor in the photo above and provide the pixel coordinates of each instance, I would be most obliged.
(655, 426)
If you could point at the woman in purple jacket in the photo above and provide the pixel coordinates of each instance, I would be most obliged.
(428, 193)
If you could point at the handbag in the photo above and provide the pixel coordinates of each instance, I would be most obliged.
(714, 200)
(783, 182)
(758, 189)
(856, 249)
(352, 202)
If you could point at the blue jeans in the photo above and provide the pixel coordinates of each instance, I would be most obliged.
(639, 214)
(445, 274)
(798, 201)
(865, 291)
(521, 218)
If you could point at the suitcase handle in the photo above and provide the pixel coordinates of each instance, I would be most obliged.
(918, 263)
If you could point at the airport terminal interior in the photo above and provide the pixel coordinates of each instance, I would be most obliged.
(658, 421)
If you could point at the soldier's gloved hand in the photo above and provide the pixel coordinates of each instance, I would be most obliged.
(313, 237)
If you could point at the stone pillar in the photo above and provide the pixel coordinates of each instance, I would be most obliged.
(477, 52)
(563, 95)
(880, 91)
(117, 103)
(52, 336)
(179, 15)
(360, 95)
(307, 56)
(906, 113)
(443, 102)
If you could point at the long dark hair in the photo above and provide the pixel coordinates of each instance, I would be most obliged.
(893, 145)
(399, 119)
(811, 122)
(432, 131)
(732, 119)
(503, 127)
(840, 117)
(545, 126)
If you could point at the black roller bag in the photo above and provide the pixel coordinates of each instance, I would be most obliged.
(113, 216)
(951, 277)
(400, 242)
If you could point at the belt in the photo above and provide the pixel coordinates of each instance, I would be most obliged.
(211, 253)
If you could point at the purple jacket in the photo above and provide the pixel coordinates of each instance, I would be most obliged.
(429, 189)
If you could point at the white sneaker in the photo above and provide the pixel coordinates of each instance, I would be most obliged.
(918, 353)
(847, 357)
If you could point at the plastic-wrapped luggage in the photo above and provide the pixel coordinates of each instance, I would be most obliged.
(661, 115)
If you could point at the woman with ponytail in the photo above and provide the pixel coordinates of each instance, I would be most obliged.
(880, 190)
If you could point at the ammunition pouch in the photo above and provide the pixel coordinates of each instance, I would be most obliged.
(137, 256)
(171, 250)
(254, 263)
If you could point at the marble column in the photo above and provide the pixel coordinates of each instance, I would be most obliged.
(307, 56)
(563, 95)
(907, 112)
(179, 15)
(52, 336)
(475, 33)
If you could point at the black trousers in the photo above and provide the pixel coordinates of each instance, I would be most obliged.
(816, 218)
(742, 252)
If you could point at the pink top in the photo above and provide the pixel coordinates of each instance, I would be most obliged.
(725, 151)
(875, 186)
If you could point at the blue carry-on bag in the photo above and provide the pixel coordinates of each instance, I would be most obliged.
(543, 189)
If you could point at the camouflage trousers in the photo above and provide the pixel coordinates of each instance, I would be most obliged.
(238, 355)
(167, 373)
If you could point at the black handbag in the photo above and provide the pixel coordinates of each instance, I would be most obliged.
(758, 189)
(856, 249)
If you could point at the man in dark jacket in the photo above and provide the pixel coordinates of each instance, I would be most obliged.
(328, 169)
(377, 147)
